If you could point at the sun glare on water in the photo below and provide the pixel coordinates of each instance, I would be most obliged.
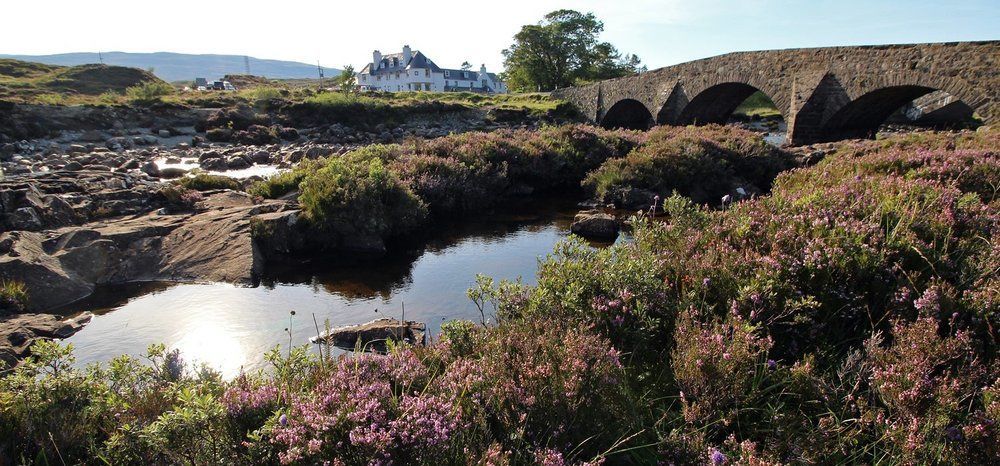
(213, 344)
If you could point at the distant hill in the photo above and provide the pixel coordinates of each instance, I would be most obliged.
(182, 67)
(29, 82)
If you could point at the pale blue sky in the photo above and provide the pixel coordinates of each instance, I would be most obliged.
(661, 32)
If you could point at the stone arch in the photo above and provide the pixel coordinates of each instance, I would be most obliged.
(714, 104)
(628, 114)
(862, 117)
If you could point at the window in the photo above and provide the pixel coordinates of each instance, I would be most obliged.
(465, 75)
(447, 73)
(427, 86)
(427, 72)
(416, 73)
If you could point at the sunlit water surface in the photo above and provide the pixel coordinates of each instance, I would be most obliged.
(229, 327)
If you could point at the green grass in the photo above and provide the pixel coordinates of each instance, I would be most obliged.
(206, 182)
(758, 104)
(147, 92)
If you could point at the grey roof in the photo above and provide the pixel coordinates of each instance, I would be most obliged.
(394, 63)
(457, 74)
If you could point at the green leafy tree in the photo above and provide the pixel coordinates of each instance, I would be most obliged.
(562, 50)
(466, 65)
(347, 79)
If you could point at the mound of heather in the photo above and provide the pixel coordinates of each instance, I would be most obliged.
(702, 163)
(96, 79)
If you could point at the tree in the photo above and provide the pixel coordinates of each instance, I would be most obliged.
(347, 80)
(562, 50)
(466, 66)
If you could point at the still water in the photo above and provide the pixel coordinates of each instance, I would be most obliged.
(230, 327)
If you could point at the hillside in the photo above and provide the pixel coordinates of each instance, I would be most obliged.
(182, 67)
(26, 81)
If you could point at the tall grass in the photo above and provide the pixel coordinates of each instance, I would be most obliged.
(148, 92)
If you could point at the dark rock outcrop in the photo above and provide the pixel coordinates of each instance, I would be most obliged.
(595, 225)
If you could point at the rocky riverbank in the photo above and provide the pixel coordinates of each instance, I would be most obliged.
(99, 232)
(66, 232)
(38, 139)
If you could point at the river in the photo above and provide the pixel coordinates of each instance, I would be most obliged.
(230, 327)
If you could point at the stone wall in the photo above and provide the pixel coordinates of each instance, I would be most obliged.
(823, 93)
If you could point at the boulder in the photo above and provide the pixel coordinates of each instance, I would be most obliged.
(218, 164)
(595, 225)
(237, 162)
(372, 336)
(130, 164)
(150, 169)
(170, 173)
(257, 135)
(261, 157)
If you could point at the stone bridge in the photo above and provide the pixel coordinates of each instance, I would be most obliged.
(824, 94)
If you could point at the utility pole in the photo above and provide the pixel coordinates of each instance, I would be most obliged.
(320, 68)
(100, 57)
(246, 63)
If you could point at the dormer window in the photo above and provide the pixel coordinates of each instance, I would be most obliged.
(447, 73)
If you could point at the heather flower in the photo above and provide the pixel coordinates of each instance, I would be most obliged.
(717, 457)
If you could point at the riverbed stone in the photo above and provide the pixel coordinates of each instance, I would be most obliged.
(371, 336)
(595, 225)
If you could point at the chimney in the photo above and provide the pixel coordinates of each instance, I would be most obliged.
(407, 55)
(376, 59)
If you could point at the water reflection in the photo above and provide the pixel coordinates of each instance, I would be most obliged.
(230, 327)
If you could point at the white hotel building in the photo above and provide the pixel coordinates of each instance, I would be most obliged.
(412, 71)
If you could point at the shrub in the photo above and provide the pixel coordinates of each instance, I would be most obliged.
(207, 182)
(932, 390)
(262, 97)
(520, 393)
(13, 297)
(279, 184)
(148, 92)
(178, 198)
(804, 277)
(351, 199)
(703, 163)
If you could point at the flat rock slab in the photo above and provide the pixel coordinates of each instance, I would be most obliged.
(213, 243)
(373, 335)
(19, 332)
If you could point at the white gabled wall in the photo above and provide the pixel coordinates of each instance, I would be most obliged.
(409, 79)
